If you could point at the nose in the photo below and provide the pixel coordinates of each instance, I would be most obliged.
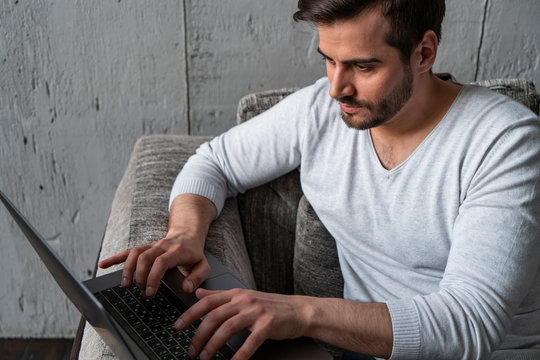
(340, 82)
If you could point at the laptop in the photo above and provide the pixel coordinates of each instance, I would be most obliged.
(137, 327)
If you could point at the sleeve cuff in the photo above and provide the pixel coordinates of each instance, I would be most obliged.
(406, 329)
(201, 188)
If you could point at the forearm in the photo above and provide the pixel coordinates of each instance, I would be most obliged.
(191, 215)
(361, 327)
(183, 247)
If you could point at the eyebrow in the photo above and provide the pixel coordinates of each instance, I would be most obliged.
(352, 61)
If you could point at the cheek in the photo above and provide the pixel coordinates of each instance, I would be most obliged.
(370, 88)
(377, 86)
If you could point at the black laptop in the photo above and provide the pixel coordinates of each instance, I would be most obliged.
(137, 327)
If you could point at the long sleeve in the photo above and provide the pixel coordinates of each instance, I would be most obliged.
(247, 155)
(488, 286)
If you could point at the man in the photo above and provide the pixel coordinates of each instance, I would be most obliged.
(429, 188)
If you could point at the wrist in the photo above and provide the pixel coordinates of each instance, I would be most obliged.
(308, 312)
(190, 215)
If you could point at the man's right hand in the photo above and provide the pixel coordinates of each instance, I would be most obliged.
(183, 247)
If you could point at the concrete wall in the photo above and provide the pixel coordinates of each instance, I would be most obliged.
(81, 81)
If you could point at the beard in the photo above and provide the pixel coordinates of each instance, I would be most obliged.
(382, 110)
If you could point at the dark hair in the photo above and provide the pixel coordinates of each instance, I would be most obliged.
(409, 19)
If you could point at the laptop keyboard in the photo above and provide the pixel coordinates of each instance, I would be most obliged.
(150, 321)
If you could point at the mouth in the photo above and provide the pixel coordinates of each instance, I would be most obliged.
(350, 109)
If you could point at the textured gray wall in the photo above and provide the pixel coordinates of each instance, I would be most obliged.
(81, 81)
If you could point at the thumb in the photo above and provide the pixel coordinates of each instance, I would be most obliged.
(199, 272)
(201, 292)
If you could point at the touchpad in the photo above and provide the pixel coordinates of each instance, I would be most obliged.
(222, 282)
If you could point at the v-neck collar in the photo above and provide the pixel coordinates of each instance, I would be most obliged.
(375, 158)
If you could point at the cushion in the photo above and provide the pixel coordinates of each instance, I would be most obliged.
(268, 212)
(316, 266)
(268, 215)
(520, 90)
(254, 104)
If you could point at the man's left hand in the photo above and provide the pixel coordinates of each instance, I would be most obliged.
(267, 316)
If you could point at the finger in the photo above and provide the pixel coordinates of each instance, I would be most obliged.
(200, 308)
(129, 266)
(228, 328)
(113, 260)
(145, 262)
(250, 346)
(161, 264)
(199, 273)
(214, 324)
(202, 293)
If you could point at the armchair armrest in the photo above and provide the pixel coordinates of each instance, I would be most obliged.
(139, 216)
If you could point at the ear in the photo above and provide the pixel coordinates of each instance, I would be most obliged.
(425, 53)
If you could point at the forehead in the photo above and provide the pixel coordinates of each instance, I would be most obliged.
(364, 34)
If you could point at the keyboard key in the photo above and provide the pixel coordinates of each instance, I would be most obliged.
(122, 292)
(148, 319)
(130, 315)
(155, 327)
(185, 343)
(154, 343)
(138, 309)
(161, 317)
(180, 335)
(177, 350)
(172, 313)
(161, 351)
(147, 336)
(226, 351)
(162, 335)
(123, 308)
(141, 328)
(170, 328)
(135, 322)
(169, 342)
(112, 297)
(148, 303)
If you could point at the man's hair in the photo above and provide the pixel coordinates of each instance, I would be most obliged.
(409, 19)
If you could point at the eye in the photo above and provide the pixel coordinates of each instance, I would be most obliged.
(363, 67)
(328, 60)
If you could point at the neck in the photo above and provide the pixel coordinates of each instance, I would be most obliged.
(396, 139)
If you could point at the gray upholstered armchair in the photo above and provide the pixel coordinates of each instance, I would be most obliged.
(270, 236)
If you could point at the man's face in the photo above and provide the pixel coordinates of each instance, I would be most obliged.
(366, 74)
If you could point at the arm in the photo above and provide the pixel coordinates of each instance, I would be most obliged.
(493, 260)
(244, 157)
(189, 220)
(492, 264)
(360, 327)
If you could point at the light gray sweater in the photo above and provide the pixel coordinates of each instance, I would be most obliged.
(449, 239)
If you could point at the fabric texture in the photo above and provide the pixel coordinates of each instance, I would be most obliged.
(315, 256)
(252, 105)
(520, 90)
(484, 154)
(277, 218)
